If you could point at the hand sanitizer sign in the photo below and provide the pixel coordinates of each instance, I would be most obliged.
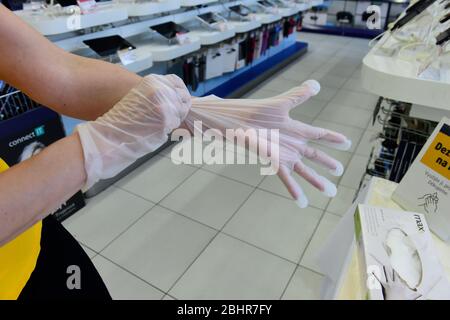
(426, 186)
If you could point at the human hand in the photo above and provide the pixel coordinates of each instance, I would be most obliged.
(294, 136)
(137, 125)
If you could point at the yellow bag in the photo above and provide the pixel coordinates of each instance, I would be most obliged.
(18, 259)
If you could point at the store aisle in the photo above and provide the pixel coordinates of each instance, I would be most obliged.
(193, 232)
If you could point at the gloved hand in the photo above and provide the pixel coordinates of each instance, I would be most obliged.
(273, 113)
(137, 125)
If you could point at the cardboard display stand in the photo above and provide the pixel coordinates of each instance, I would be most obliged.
(26, 135)
(426, 186)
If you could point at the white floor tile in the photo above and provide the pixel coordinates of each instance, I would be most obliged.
(355, 171)
(342, 202)
(208, 198)
(326, 226)
(246, 173)
(350, 116)
(159, 247)
(296, 75)
(356, 99)
(231, 269)
(274, 224)
(155, 179)
(122, 285)
(260, 94)
(329, 80)
(105, 217)
(354, 85)
(305, 285)
(280, 85)
(310, 108)
(326, 93)
(366, 144)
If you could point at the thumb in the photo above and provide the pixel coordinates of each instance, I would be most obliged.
(300, 94)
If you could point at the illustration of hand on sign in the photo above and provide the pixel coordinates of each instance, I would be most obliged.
(429, 202)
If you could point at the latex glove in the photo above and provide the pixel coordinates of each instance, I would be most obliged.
(137, 125)
(273, 113)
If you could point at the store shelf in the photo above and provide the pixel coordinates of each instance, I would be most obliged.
(53, 25)
(160, 49)
(192, 3)
(397, 79)
(265, 18)
(139, 9)
(342, 31)
(209, 36)
(243, 26)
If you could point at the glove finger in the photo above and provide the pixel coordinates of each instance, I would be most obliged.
(293, 187)
(297, 95)
(319, 182)
(335, 167)
(321, 135)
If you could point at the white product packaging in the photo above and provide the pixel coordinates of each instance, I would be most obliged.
(230, 57)
(397, 257)
(214, 63)
(425, 188)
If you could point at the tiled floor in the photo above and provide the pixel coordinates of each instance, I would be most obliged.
(190, 231)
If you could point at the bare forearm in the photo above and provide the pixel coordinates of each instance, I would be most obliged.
(72, 85)
(91, 88)
(45, 181)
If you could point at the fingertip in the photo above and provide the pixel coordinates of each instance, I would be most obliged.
(339, 171)
(302, 202)
(347, 145)
(330, 190)
(313, 85)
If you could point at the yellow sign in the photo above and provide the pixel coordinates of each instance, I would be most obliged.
(437, 157)
(18, 258)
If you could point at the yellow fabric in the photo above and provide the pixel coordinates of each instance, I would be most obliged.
(18, 259)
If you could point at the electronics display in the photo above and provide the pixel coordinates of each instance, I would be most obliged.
(240, 10)
(108, 45)
(67, 3)
(265, 3)
(413, 12)
(169, 30)
(208, 18)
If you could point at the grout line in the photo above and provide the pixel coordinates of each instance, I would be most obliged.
(207, 245)
(132, 273)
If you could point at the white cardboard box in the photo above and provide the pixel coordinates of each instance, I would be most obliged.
(397, 257)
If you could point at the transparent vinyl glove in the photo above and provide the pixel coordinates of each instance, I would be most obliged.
(137, 125)
(219, 114)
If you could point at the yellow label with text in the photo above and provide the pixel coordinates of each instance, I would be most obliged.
(437, 157)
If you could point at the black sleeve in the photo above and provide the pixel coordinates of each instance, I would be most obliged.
(59, 251)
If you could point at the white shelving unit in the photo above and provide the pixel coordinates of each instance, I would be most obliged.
(210, 36)
(145, 8)
(160, 48)
(265, 18)
(49, 25)
(397, 79)
(192, 3)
